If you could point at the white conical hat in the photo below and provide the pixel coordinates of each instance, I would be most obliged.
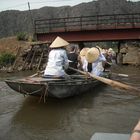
(92, 55)
(59, 42)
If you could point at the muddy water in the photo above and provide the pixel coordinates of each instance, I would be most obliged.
(104, 109)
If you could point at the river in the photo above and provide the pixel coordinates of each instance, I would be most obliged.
(104, 109)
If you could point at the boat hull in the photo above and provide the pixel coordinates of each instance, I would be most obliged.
(52, 88)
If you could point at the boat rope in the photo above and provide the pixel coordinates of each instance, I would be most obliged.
(45, 93)
(19, 89)
(29, 93)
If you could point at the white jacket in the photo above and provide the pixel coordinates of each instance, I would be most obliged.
(57, 62)
(97, 67)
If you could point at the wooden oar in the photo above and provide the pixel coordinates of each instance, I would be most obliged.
(39, 72)
(115, 84)
(120, 74)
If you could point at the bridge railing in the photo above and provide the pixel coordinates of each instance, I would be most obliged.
(96, 22)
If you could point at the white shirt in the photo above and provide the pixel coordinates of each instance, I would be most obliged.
(97, 67)
(57, 61)
(84, 63)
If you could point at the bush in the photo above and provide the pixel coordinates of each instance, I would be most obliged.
(22, 36)
(31, 38)
(6, 59)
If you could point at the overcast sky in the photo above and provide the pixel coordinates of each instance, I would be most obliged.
(35, 4)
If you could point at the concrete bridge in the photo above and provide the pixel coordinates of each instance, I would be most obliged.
(116, 27)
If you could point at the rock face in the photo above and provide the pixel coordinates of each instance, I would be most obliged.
(13, 21)
(132, 56)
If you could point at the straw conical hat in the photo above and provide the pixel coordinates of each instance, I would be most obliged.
(84, 51)
(59, 42)
(92, 55)
(99, 48)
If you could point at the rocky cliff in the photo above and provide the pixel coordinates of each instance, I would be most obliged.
(12, 21)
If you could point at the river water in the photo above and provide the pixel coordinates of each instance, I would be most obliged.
(104, 109)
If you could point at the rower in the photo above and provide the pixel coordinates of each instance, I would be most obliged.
(73, 59)
(95, 60)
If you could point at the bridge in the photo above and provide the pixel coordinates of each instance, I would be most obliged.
(115, 27)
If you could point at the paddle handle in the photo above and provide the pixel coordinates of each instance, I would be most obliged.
(120, 74)
(113, 83)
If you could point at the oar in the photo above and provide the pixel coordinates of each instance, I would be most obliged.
(39, 72)
(120, 74)
(110, 82)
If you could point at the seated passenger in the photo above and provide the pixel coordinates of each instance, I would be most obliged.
(83, 60)
(111, 56)
(73, 59)
(57, 59)
(95, 61)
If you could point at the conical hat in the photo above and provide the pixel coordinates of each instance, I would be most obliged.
(84, 51)
(59, 42)
(99, 48)
(92, 55)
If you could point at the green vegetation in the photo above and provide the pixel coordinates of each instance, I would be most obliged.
(31, 38)
(6, 59)
(22, 36)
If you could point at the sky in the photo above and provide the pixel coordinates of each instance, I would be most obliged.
(35, 4)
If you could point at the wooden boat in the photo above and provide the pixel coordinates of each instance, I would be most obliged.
(58, 88)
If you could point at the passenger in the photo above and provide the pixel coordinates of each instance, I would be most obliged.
(102, 64)
(108, 63)
(136, 132)
(57, 59)
(95, 59)
(73, 59)
(83, 60)
(111, 56)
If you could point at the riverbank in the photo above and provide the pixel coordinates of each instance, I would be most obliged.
(34, 55)
(11, 45)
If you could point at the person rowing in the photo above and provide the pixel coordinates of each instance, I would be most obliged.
(95, 60)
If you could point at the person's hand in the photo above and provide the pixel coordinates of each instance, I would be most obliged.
(137, 127)
(136, 132)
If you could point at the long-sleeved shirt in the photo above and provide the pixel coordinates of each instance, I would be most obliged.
(57, 62)
(97, 67)
(84, 63)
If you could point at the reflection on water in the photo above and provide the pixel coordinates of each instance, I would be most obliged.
(102, 110)
(47, 116)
